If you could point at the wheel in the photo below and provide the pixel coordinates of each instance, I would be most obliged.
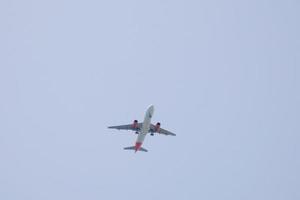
(152, 134)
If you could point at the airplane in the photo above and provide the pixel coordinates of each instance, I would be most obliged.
(142, 129)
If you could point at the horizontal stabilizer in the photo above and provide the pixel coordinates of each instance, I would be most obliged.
(142, 149)
(129, 148)
(133, 148)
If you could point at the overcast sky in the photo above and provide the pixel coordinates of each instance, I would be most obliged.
(223, 75)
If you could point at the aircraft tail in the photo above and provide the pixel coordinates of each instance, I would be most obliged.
(134, 148)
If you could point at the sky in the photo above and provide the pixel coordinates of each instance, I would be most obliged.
(223, 75)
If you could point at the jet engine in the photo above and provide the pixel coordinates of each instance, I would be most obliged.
(157, 127)
(135, 124)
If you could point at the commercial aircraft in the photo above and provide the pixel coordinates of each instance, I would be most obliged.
(142, 129)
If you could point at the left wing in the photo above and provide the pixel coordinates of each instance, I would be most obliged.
(160, 130)
(128, 127)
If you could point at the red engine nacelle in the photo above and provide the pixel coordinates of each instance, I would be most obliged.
(135, 124)
(157, 127)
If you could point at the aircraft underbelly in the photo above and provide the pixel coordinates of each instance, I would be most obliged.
(141, 138)
(146, 126)
(145, 129)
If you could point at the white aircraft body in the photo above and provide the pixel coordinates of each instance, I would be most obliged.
(142, 129)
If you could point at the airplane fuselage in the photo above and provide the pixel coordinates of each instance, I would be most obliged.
(145, 128)
(142, 129)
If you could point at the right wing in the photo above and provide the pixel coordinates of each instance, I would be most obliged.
(161, 131)
(127, 127)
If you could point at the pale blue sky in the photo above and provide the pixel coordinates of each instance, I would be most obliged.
(223, 75)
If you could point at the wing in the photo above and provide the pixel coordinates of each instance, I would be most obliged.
(127, 127)
(161, 131)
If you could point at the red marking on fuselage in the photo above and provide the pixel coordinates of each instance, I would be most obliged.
(137, 146)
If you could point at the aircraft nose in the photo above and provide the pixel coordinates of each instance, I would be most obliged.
(150, 110)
